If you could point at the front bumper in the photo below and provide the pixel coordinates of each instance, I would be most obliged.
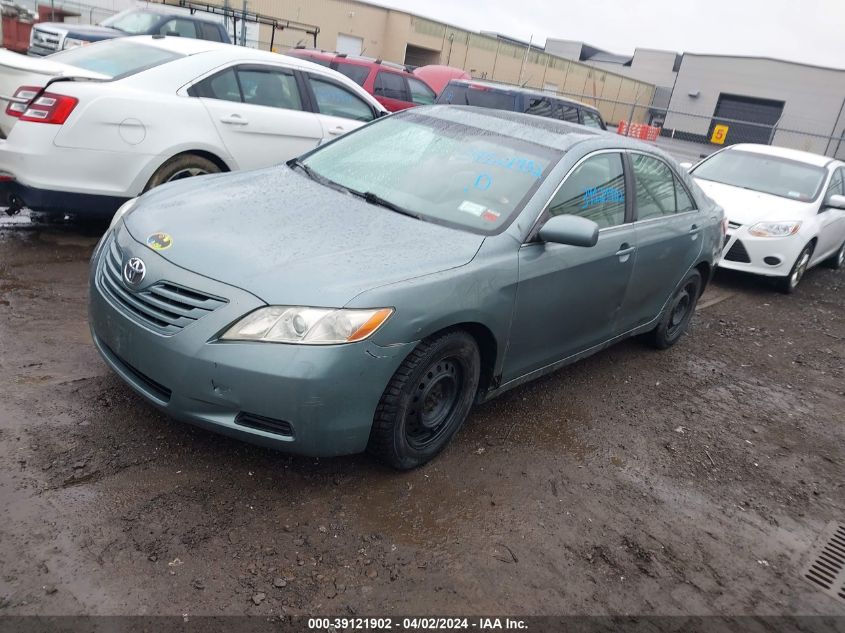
(769, 256)
(319, 400)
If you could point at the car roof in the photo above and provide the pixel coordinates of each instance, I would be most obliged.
(552, 133)
(783, 152)
(162, 10)
(492, 85)
(353, 59)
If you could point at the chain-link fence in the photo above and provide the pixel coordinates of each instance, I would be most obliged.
(691, 136)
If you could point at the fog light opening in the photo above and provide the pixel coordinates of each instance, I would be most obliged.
(772, 261)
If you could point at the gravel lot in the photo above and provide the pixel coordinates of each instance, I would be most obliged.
(693, 481)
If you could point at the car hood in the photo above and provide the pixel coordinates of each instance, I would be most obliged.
(289, 240)
(82, 30)
(744, 206)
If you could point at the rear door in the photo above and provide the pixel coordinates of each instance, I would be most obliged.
(569, 297)
(338, 109)
(668, 232)
(391, 90)
(260, 114)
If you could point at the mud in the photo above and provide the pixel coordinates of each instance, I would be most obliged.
(692, 481)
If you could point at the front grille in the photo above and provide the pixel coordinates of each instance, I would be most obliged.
(45, 39)
(261, 423)
(737, 253)
(165, 307)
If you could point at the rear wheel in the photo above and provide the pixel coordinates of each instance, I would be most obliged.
(838, 260)
(789, 284)
(181, 167)
(678, 313)
(426, 401)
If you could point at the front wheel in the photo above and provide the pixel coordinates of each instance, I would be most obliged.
(678, 313)
(789, 284)
(426, 401)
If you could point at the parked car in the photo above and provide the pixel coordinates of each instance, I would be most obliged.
(150, 110)
(391, 84)
(366, 294)
(47, 38)
(487, 94)
(437, 76)
(785, 208)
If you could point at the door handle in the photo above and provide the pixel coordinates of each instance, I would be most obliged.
(337, 131)
(234, 119)
(625, 249)
(694, 229)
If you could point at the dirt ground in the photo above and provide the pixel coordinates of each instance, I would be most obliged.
(692, 481)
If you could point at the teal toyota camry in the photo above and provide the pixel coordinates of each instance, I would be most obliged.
(364, 296)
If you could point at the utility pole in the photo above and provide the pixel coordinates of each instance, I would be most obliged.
(243, 26)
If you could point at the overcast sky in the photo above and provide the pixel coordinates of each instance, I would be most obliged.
(810, 31)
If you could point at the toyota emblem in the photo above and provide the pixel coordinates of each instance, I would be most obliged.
(134, 271)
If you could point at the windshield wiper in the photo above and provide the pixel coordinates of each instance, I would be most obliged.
(374, 198)
(313, 175)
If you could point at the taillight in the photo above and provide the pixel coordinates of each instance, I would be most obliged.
(23, 95)
(49, 107)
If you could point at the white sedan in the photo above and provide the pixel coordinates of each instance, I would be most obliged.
(92, 127)
(785, 209)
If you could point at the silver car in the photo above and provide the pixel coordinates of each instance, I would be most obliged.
(364, 296)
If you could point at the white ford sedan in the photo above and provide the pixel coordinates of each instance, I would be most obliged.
(785, 209)
(97, 125)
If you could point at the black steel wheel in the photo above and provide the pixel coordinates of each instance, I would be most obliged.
(426, 401)
(677, 314)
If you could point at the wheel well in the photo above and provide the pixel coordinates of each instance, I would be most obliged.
(207, 155)
(487, 348)
(704, 269)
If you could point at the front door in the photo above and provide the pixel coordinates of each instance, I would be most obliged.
(668, 232)
(569, 297)
(258, 112)
(832, 221)
(339, 110)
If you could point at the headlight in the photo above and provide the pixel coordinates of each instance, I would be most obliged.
(308, 326)
(125, 208)
(774, 229)
(72, 42)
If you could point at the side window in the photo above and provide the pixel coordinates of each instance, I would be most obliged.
(421, 94)
(591, 119)
(390, 85)
(181, 28)
(594, 190)
(539, 106)
(683, 201)
(336, 100)
(356, 73)
(269, 87)
(223, 86)
(837, 186)
(566, 112)
(655, 187)
(209, 32)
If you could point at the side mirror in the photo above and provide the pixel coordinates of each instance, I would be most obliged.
(686, 166)
(570, 229)
(836, 201)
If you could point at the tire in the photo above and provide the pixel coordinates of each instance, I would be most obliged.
(426, 400)
(676, 317)
(789, 284)
(179, 167)
(837, 260)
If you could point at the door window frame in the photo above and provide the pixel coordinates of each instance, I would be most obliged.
(305, 84)
(677, 178)
(545, 215)
(840, 173)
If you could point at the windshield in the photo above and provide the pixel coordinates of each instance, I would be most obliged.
(115, 58)
(132, 22)
(481, 96)
(443, 172)
(766, 174)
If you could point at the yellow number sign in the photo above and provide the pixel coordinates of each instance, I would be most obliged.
(720, 132)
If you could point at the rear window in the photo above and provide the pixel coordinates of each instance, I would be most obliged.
(482, 97)
(115, 58)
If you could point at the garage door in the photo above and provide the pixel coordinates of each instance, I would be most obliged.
(349, 44)
(761, 116)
